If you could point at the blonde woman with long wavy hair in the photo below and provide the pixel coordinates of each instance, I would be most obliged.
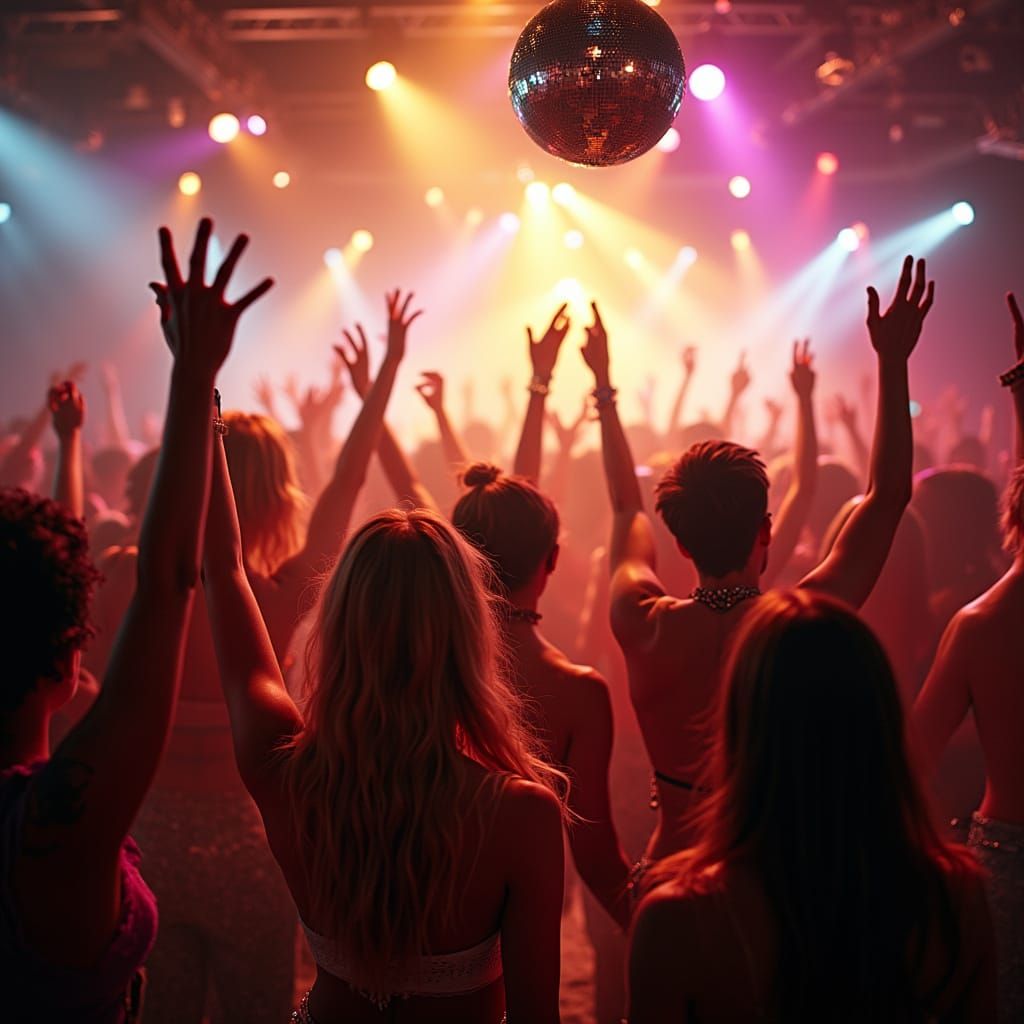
(416, 827)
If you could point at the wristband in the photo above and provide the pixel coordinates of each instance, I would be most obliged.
(1013, 377)
(604, 397)
(220, 428)
(539, 386)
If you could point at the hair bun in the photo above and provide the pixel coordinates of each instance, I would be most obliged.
(480, 474)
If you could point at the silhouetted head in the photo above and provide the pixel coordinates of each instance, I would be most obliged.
(47, 581)
(714, 500)
(267, 494)
(959, 509)
(511, 522)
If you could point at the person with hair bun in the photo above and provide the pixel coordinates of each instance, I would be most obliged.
(516, 526)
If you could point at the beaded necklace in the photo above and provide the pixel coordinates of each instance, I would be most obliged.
(723, 599)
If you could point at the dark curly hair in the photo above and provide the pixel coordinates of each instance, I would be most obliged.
(47, 584)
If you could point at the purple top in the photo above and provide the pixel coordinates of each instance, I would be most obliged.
(36, 990)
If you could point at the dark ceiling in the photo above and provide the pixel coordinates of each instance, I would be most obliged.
(940, 79)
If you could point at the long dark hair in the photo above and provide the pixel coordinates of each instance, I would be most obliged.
(814, 792)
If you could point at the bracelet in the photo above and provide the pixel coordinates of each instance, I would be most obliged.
(220, 428)
(539, 386)
(1013, 377)
(603, 397)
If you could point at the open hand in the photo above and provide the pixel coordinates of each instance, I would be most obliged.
(431, 390)
(399, 320)
(595, 351)
(198, 322)
(894, 333)
(68, 408)
(846, 413)
(355, 354)
(263, 391)
(544, 353)
(802, 376)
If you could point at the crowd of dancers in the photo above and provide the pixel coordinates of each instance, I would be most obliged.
(322, 706)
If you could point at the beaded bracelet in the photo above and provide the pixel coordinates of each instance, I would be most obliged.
(1013, 377)
(603, 397)
(539, 386)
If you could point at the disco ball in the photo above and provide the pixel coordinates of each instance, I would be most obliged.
(596, 82)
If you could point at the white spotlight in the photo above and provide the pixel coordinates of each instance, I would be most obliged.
(669, 142)
(963, 213)
(848, 239)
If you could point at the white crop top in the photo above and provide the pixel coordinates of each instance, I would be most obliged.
(450, 974)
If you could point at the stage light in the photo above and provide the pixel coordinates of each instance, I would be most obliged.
(723, 6)
(687, 255)
(573, 239)
(434, 196)
(362, 240)
(860, 230)
(256, 124)
(334, 258)
(474, 217)
(828, 163)
(739, 187)
(634, 258)
(537, 193)
(5, 212)
(509, 223)
(706, 82)
(669, 142)
(569, 290)
(282, 179)
(740, 240)
(223, 128)
(190, 183)
(381, 76)
(848, 239)
(963, 213)
(176, 112)
(563, 193)
(915, 409)
(524, 174)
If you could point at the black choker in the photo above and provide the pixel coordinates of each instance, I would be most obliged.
(523, 615)
(723, 599)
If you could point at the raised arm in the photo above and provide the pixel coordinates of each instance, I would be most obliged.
(397, 468)
(796, 505)
(262, 714)
(675, 415)
(1014, 378)
(333, 510)
(566, 434)
(543, 356)
(431, 390)
(858, 556)
(67, 408)
(632, 551)
(85, 799)
(115, 422)
(739, 382)
(846, 414)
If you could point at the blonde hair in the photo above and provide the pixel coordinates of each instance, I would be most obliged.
(270, 502)
(406, 683)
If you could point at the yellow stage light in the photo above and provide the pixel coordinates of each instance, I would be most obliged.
(381, 76)
(190, 183)
(282, 179)
(740, 240)
(223, 128)
(537, 193)
(362, 240)
(434, 196)
(563, 193)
